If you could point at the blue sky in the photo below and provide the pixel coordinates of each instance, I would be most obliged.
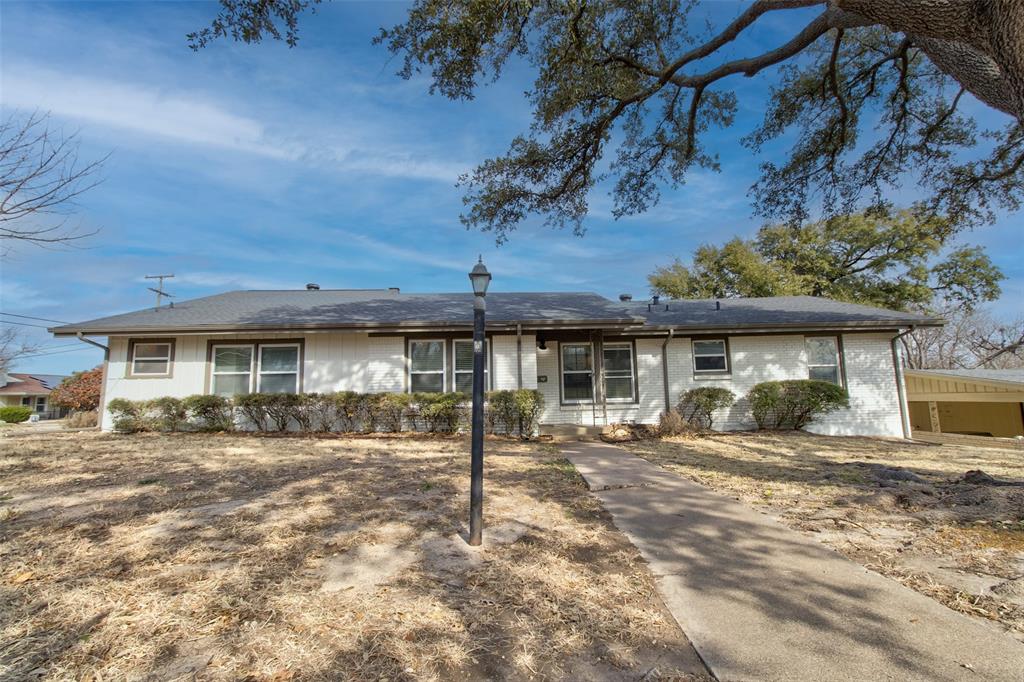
(262, 167)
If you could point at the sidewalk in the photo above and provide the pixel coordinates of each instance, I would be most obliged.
(762, 602)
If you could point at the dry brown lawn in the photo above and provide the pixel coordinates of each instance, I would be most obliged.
(903, 509)
(188, 556)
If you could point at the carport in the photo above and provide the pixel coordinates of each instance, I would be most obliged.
(968, 402)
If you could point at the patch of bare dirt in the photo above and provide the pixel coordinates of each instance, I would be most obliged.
(230, 557)
(945, 520)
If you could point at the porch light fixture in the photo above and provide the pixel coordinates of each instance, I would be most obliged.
(480, 278)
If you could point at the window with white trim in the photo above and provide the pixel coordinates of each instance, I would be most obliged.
(151, 359)
(231, 370)
(710, 355)
(278, 368)
(426, 366)
(577, 372)
(823, 359)
(462, 363)
(618, 372)
(41, 404)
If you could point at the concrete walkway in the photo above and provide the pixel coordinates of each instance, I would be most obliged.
(762, 602)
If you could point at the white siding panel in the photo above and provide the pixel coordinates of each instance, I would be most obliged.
(385, 365)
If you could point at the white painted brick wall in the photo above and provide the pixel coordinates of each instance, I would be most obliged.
(358, 362)
(874, 408)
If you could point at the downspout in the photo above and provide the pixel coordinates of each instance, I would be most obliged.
(897, 363)
(101, 408)
(519, 356)
(664, 370)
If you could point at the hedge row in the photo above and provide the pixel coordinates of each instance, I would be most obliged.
(15, 414)
(508, 412)
(789, 404)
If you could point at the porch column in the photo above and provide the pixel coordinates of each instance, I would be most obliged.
(933, 416)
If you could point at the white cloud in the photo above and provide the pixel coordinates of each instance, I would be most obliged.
(184, 117)
(230, 279)
(198, 119)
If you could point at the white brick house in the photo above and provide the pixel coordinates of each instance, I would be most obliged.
(596, 361)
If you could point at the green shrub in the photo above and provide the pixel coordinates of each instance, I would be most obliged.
(440, 412)
(315, 412)
(169, 413)
(129, 415)
(210, 412)
(253, 407)
(501, 412)
(15, 414)
(350, 410)
(529, 403)
(514, 412)
(698, 405)
(282, 408)
(795, 403)
(389, 410)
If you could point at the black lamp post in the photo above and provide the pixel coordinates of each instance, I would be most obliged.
(480, 279)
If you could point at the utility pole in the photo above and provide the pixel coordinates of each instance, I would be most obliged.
(159, 291)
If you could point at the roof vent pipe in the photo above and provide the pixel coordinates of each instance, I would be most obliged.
(312, 287)
(718, 305)
(394, 290)
(654, 299)
(625, 298)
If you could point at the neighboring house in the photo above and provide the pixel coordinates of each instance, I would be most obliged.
(969, 402)
(31, 390)
(595, 360)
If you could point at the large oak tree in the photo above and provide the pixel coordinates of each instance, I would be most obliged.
(627, 91)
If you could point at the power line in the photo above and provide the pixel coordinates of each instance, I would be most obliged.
(30, 317)
(56, 352)
(24, 324)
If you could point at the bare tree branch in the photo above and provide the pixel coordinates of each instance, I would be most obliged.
(41, 176)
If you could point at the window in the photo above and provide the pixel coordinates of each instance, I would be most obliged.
(279, 368)
(577, 372)
(823, 359)
(232, 370)
(41, 404)
(618, 372)
(26, 401)
(462, 361)
(151, 358)
(710, 356)
(426, 366)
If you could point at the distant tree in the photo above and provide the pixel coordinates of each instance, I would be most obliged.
(13, 345)
(868, 90)
(40, 178)
(970, 339)
(80, 391)
(895, 261)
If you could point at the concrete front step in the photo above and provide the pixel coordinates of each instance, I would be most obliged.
(571, 432)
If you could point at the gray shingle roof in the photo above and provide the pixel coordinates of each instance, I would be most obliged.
(1010, 375)
(357, 308)
(777, 311)
(341, 308)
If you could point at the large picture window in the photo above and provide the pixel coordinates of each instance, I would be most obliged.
(710, 355)
(240, 368)
(232, 370)
(577, 372)
(426, 366)
(279, 368)
(618, 372)
(823, 359)
(151, 358)
(462, 352)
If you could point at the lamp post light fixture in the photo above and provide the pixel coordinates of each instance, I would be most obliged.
(480, 279)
